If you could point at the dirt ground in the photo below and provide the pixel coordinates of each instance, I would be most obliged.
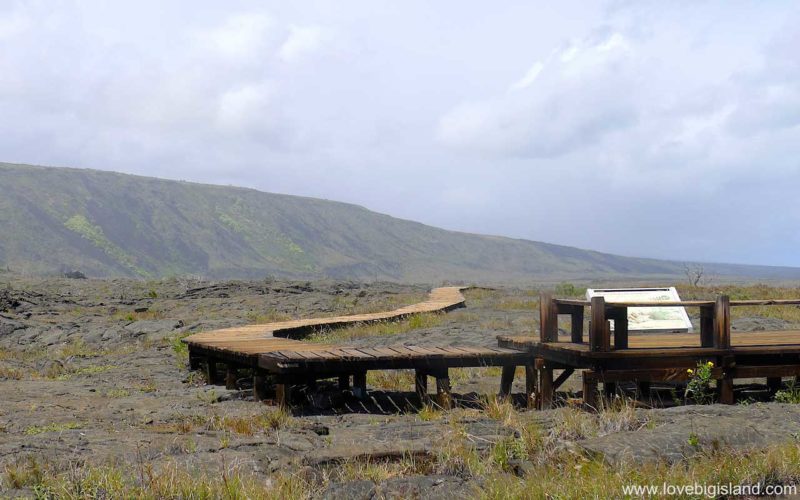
(92, 373)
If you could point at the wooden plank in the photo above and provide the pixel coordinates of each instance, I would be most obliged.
(590, 390)
(388, 352)
(680, 303)
(620, 327)
(230, 376)
(530, 386)
(765, 371)
(372, 352)
(766, 302)
(444, 396)
(722, 322)
(402, 351)
(576, 325)
(355, 353)
(546, 387)
(598, 330)
(506, 380)
(707, 326)
(425, 351)
(565, 374)
(548, 318)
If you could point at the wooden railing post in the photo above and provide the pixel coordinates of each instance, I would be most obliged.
(577, 324)
(548, 318)
(621, 328)
(722, 322)
(707, 326)
(599, 333)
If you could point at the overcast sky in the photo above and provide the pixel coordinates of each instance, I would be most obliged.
(663, 129)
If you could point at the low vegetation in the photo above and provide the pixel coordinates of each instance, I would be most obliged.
(790, 314)
(413, 322)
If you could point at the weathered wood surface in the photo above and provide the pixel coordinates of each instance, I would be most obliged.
(252, 340)
(668, 340)
(684, 303)
(339, 360)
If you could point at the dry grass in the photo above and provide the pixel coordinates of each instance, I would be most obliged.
(131, 316)
(391, 380)
(245, 425)
(517, 304)
(575, 476)
(790, 314)
(144, 481)
(414, 322)
(270, 316)
(363, 305)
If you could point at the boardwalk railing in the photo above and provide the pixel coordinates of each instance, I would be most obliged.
(654, 357)
(715, 319)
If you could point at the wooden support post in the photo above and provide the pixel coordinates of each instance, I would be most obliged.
(726, 389)
(259, 386)
(643, 389)
(194, 360)
(443, 395)
(548, 318)
(283, 393)
(590, 390)
(774, 384)
(707, 326)
(599, 338)
(576, 318)
(530, 386)
(506, 379)
(722, 322)
(212, 377)
(360, 385)
(344, 382)
(421, 385)
(621, 328)
(547, 392)
(230, 376)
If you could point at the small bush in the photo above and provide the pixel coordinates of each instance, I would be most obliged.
(569, 290)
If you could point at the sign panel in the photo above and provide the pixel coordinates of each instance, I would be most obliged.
(647, 319)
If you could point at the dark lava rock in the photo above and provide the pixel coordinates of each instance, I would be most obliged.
(7, 301)
(158, 328)
(735, 427)
(759, 324)
(8, 326)
(75, 275)
(352, 490)
(425, 487)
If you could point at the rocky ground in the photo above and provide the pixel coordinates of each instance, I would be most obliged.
(92, 374)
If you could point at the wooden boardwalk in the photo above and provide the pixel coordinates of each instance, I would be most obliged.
(609, 357)
(270, 354)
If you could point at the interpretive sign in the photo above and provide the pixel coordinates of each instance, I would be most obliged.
(647, 319)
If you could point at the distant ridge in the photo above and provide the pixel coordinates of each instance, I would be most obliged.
(112, 224)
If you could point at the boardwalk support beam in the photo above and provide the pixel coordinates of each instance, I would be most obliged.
(230, 376)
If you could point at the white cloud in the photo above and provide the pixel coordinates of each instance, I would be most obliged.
(529, 78)
(302, 40)
(242, 36)
(245, 108)
(558, 106)
(13, 24)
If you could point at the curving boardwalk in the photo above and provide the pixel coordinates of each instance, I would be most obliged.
(268, 337)
(266, 350)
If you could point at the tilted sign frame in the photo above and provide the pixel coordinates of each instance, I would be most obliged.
(647, 319)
